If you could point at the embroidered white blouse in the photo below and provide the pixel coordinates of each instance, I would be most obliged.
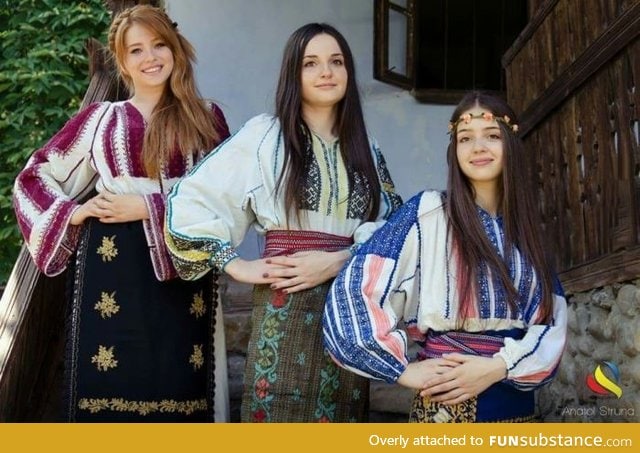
(406, 272)
(99, 148)
(233, 188)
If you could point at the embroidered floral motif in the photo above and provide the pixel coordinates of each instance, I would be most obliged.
(107, 305)
(108, 249)
(301, 358)
(308, 319)
(266, 358)
(423, 410)
(259, 416)
(267, 361)
(104, 359)
(197, 357)
(356, 394)
(270, 327)
(329, 384)
(198, 307)
(95, 405)
(279, 299)
(262, 388)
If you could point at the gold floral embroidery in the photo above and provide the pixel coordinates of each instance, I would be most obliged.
(107, 305)
(197, 306)
(108, 249)
(104, 359)
(95, 405)
(197, 358)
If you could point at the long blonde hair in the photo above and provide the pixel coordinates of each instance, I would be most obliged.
(181, 121)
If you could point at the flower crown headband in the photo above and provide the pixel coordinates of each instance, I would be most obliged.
(488, 116)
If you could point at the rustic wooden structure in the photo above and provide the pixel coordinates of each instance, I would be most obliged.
(574, 74)
(32, 308)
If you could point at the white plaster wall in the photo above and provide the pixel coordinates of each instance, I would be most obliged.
(239, 47)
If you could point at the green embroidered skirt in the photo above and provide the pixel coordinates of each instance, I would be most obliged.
(289, 377)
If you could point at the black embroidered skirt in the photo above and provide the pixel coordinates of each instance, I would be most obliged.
(137, 349)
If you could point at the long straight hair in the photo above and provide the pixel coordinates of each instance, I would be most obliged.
(181, 121)
(352, 134)
(520, 215)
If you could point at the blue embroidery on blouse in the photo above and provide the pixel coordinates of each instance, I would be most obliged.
(388, 241)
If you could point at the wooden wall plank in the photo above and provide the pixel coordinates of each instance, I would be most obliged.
(580, 120)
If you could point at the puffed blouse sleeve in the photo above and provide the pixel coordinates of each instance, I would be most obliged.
(46, 191)
(533, 360)
(390, 201)
(156, 207)
(211, 209)
(371, 294)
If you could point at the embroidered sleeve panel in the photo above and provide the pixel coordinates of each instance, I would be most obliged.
(533, 360)
(211, 209)
(220, 122)
(390, 201)
(59, 242)
(154, 232)
(46, 189)
(370, 295)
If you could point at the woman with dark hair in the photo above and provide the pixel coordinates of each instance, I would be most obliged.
(141, 343)
(310, 180)
(466, 272)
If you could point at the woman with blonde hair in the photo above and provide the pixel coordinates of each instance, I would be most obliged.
(142, 345)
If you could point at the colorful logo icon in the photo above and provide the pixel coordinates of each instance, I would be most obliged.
(605, 379)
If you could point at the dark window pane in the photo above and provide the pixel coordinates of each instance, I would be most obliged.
(461, 42)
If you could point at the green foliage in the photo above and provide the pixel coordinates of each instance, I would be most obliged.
(43, 77)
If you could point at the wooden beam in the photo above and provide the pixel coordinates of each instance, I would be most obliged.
(528, 31)
(616, 37)
(615, 267)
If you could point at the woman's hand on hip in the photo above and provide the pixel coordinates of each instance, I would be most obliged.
(252, 271)
(304, 270)
(121, 208)
(111, 208)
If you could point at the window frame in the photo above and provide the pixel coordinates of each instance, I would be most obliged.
(409, 81)
(381, 71)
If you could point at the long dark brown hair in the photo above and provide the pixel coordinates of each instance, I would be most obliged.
(520, 215)
(181, 120)
(352, 134)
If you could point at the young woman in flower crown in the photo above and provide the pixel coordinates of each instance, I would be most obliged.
(142, 345)
(312, 182)
(466, 271)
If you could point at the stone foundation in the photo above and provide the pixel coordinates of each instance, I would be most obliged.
(604, 325)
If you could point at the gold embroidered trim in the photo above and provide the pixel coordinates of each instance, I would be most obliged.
(104, 359)
(95, 405)
(197, 358)
(108, 249)
(107, 305)
(198, 307)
